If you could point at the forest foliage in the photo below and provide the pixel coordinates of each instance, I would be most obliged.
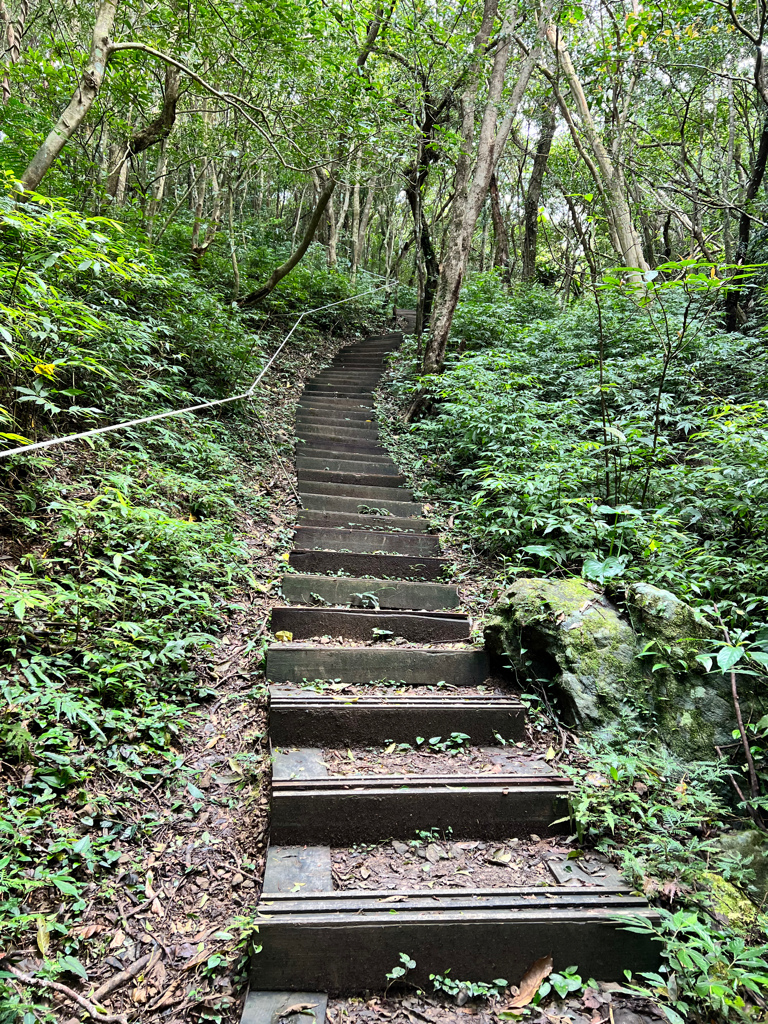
(572, 197)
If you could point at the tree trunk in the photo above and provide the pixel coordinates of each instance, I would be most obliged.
(470, 199)
(500, 232)
(533, 195)
(355, 218)
(158, 188)
(279, 273)
(359, 238)
(758, 172)
(13, 34)
(81, 102)
(608, 175)
(333, 236)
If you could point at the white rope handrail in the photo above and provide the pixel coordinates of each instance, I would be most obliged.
(189, 408)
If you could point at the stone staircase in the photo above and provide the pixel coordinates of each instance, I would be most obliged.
(379, 654)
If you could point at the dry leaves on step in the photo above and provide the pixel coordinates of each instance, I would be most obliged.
(532, 978)
(306, 1008)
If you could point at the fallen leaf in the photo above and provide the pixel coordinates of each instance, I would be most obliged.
(532, 978)
(550, 754)
(85, 931)
(501, 858)
(43, 935)
(117, 940)
(592, 999)
(157, 907)
(307, 1008)
(283, 636)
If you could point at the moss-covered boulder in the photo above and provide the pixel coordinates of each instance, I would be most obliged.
(693, 710)
(566, 631)
(597, 657)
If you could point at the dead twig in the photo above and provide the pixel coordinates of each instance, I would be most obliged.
(68, 993)
(120, 979)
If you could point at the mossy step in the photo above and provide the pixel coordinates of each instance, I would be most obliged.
(356, 521)
(361, 592)
(333, 503)
(311, 538)
(364, 624)
(364, 493)
(357, 563)
(348, 466)
(412, 666)
(357, 478)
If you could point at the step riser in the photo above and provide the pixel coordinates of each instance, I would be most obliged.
(354, 726)
(353, 479)
(366, 453)
(405, 567)
(380, 524)
(337, 404)
(318, 817)
(315, 413)
(335, 433)
(367, 494)
(347, 466)
(329, 503)
(305, 623)
(292, 663)
(475, 944)
(391, 595)
(362, 541)
(339, 391)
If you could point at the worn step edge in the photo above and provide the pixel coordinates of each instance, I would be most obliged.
(333, 503)
(306, 719)
(361, 624)
(414, 666)
(318, 538)
(361, 591)
(482, 935)
(360, 563)
(358, 521)
(344, 811)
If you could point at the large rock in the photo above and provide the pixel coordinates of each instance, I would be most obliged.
(569, 633)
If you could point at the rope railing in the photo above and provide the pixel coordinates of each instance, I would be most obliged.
(38, 445)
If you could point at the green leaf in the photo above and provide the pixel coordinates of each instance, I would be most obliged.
(73, 965)
(727, 657)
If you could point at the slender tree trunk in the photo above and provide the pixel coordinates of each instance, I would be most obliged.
(608, 174)
(279, 273)
(13, 34)
(158, 188)
(355, 218)
(500, 232)
(733, 315)
(333, 258)
(232, 243)
(533, 194)
(86, 92)
(470, 199)
(362, 228)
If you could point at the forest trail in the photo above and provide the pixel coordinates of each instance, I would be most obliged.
(387, 847)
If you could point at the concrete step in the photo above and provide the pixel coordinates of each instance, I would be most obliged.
(323, 420)
(355, 563)
(331, 503)
(357, 478)
(354, 521)
(339, 391)
(365, 624)
(411, 666)
(368, 593)
(327, 412)
(300, 718)
(483, 933)
(346, 810)
(270, 1007)
(313, 538)
(319, 449)
(337, 404)
(348, 466)
(368, 494)
(337, 433)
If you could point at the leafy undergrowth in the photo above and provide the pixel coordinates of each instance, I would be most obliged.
(137, 577)
(511, 456)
